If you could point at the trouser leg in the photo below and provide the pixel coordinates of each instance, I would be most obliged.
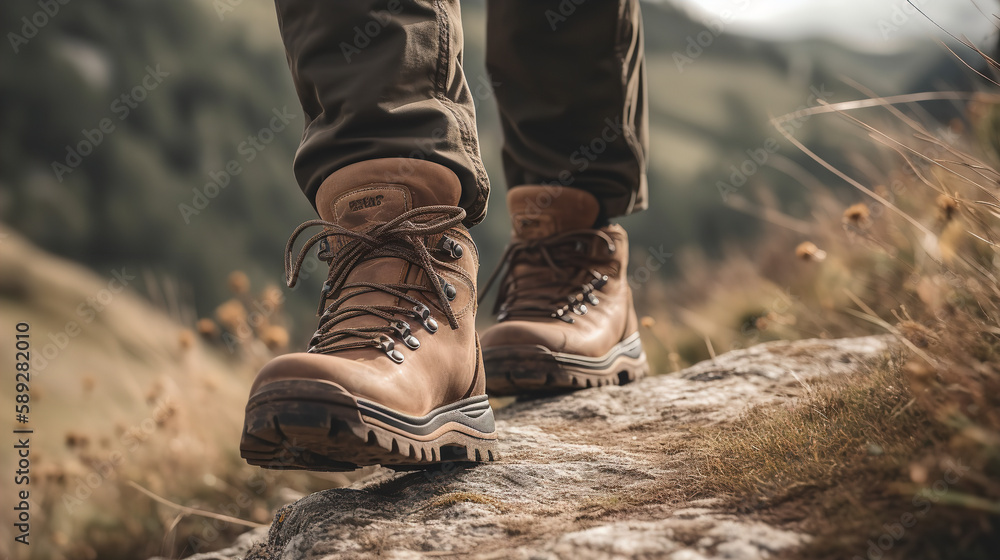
(570, 82)
(382, 79)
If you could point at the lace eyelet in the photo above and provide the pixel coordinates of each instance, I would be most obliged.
(450, 292)
(389, 347)
(402, 329)
(562, 316)
(424, 316)
(450, 246)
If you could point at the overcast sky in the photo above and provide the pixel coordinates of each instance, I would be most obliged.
(874, 24)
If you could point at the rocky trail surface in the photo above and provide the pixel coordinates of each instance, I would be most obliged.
(589, 475)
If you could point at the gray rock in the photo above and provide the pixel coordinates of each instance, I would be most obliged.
(580, 476)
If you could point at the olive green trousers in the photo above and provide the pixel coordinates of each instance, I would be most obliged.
(383, 78)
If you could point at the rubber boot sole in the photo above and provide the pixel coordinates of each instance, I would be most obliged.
(319, 426)
(531, 369)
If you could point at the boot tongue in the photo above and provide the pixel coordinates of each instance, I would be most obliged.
(363, 195)
(375, 191)
(537, 212)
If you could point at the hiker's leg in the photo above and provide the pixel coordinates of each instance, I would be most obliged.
(570, 83)
(393, 374)
(382, 79)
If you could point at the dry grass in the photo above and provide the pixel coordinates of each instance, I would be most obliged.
(862, 457)
(850, 425)
(903, 460)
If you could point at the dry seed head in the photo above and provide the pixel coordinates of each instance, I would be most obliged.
(165, 412)
(53, 473)
(74, 439)
(274, 337)
(207, 328)
(858, 215)
(956, 126)
(919, 335)
(272, 297)
(918, 473)
(947, 207)
(238, 282)
(808, 251)
(154, 392)
(210, 384)
(186, 339)
(231, 314)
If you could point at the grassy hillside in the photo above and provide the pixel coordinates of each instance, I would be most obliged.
(221, 74)
(121, 394)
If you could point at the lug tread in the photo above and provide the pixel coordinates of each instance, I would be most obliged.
(329, 436)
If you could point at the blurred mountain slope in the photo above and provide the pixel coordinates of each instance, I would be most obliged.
(222, 77)
(121, 393)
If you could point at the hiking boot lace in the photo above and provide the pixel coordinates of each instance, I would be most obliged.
(403, 237)
(558, 281)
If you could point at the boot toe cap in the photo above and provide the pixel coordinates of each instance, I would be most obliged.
(377, 380)
(525, 333)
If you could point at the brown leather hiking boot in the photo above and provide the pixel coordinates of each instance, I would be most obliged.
(394, 374)
(565, 314)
